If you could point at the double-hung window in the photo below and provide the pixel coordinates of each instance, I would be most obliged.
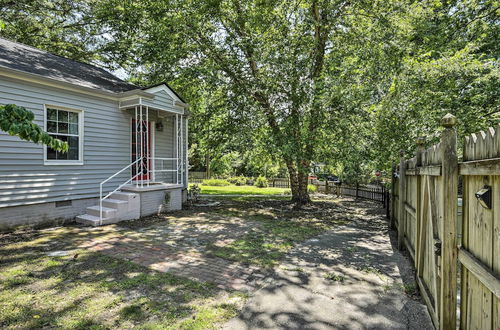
(65, 125)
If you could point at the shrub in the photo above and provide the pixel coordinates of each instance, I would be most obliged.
(193, 192)
(311, 188)
(238, 180)
(216, 182)
(261, 182)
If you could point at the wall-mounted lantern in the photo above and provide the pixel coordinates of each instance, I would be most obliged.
(484, 197)
(159, 126)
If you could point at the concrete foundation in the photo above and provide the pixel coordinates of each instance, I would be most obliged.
(44, 214)
(158, 198)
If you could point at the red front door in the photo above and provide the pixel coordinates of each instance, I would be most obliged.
(141, 146)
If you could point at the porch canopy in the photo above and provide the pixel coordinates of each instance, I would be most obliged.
(162, 106)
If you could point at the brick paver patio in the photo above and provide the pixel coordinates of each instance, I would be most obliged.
(179, 247)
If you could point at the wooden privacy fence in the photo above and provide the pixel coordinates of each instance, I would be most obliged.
(479, 254)
(424, 211)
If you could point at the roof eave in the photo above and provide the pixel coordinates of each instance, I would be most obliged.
(168, 86)
(182, 104)
(36, 78)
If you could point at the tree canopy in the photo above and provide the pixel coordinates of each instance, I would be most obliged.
(346, 83)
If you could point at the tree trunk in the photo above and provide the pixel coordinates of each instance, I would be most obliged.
(298, 185)
(294, 183)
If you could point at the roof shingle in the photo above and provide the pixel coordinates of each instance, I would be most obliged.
(17, 56)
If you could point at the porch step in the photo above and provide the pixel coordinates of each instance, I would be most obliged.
(120, 206)
(123, 195)
(91, 220)
(107, 212)
(114, 203)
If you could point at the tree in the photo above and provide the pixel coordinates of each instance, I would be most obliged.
(347, 83)
(449, 65)
(18, 121)
(271, 59)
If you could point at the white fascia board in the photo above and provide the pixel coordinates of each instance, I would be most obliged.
(163, 87)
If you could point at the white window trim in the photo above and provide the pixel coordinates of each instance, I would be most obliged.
(80, 135)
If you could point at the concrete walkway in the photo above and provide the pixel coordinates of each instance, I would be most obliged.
(348, 278)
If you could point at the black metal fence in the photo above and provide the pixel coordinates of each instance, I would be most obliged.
(371, 192)
(279, 183)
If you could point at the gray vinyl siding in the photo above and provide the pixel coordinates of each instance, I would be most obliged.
(163, 101)
(24, 179)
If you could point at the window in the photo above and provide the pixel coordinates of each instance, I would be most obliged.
(65, 125)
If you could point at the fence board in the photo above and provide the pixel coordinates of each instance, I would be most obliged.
(426, 213)
(480, 242)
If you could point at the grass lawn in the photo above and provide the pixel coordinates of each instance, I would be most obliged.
(87, 290)
(242, 190)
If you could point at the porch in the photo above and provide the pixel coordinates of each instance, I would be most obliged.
(154, 180)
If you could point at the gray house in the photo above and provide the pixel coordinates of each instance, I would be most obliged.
(127, 153)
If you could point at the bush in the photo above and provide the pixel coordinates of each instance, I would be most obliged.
(261, 182)
(194, 192)
(311, 188)
(237, 180)
(216, 182)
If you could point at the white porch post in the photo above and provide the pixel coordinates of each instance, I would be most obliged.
(177, 148)
(142, 147)
(147, 145)
(186, 160)
(136, 150)
(182, 149)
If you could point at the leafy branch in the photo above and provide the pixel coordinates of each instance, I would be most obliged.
(18, 121)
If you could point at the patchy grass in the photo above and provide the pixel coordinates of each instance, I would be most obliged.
(266, 243)
(87, 290)
(279, 228)
(242, 190)
(410, 289)
(335, 277)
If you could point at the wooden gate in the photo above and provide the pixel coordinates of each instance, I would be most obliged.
(425, 211)
(479, 253)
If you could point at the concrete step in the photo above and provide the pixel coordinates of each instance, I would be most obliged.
(124, 196)
(107, 212)
(91, 220)
(114, 203)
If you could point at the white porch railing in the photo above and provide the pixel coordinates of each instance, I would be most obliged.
(139, 171)
(101, 199)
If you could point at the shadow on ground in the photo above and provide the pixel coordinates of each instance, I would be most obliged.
(351, 277)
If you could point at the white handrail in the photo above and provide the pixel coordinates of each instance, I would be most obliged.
(101, 199)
